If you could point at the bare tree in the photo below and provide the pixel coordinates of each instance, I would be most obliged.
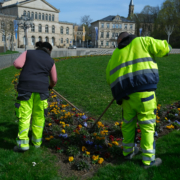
(86, 20)
(6, 30)
(169, 30)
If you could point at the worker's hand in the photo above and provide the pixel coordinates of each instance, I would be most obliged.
(50, 88)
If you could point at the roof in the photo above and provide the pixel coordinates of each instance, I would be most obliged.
(26, 1)
(131, 3)
(111, 18)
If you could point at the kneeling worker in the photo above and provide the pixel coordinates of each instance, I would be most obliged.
(133, 75)
(33, 92)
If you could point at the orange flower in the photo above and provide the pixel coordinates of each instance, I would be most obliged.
(83, 148)
(51, 137)
(109, 144)
(100, 161)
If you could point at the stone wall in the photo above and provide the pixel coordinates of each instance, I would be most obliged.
(7, 60)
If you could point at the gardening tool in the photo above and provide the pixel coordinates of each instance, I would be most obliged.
(55, 92)
(91, 129)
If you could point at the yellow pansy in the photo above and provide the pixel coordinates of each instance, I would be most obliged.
(84, 148)
(100, 161)
(71, 158)
(63, 131)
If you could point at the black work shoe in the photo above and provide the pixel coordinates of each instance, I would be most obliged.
(130, 156)
(16, 149)
(156, 163)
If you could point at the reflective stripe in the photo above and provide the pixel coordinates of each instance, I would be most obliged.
(131, 63)
(149, 151)
(128, 150)
(129, 144)
(151, 121)
(38, 126)
(145, 158)
(23, 130)
(144, 71)
(147, 99)
(36, 140)
(24, 148)
(126, 121)
(22, 141)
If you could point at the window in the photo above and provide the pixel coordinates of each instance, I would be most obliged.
(117, 25)
(46, 39)
(49, 17)
(120, 26)
(33, 40)
(36, 15)
(61, 31)
(113, 26)
(101, 43)
(24, 13)
(2, 25)
(102, 25)
(113, 34)
(40, 38)
(61, 40)
(112, 43)
(32, 15)
(52, 17)
(102, 34)
(125, 26)
(53, 41)
(107, 43)
(40, 28)
(33, 28)
(108, 25)
(3, 38)
(53, 29)
(40, 16)
(107, 35)
(43, 16)
(131, 26)
(67, 30)
(46, 29)
(28, 14)
(46, 17)
(67, 40)
(117, 35)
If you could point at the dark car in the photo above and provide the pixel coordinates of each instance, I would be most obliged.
(72, 47)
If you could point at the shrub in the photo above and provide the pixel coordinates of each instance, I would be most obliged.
(82, 165)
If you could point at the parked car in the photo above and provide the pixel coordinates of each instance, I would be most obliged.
(72, 47)
(90, 46)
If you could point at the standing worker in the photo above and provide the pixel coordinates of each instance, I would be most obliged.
(133, 75)
(33, 92)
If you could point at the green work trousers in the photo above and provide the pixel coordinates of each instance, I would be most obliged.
(141, 107)
(36, 109)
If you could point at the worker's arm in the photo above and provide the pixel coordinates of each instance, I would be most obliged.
(158, 48)
(53, 77)
(20, 61)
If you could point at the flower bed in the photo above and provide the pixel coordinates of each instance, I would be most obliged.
(66, 134)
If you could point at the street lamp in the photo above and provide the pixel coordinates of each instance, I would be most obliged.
(25, 22)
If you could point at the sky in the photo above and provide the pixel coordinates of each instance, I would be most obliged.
(73, 10)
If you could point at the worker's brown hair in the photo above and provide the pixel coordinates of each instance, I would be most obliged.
(123, 35)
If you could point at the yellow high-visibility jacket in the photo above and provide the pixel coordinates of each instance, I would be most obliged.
(132, 67)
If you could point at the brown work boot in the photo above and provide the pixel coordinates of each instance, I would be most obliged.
(156, 163)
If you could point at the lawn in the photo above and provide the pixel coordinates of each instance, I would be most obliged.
(8, 52)
(82, 81)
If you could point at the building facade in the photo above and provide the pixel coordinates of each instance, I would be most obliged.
(46, 24)
(108, 30)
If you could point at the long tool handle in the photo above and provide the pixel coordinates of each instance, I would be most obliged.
(55, 92)
(102, 114)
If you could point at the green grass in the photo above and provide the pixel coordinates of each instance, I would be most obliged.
(83, 82)
(8, 52)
